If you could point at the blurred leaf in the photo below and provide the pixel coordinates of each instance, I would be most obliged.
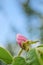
(28, 10)
(34, 57)
(2, 63)
(19, 61)
(40, 45)
(5, 56)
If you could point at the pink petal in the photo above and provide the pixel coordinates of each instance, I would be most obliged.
(20, 38)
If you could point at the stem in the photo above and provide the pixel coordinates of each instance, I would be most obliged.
(21, 50)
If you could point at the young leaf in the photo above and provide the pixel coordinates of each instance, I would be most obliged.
(19, 61)
(34, 58)
(5, 56)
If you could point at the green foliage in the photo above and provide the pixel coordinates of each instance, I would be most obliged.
(34, 57)
(28, 9)
(5, 56)
(19, 61)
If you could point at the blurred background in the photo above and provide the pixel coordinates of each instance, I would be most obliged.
(20, 16)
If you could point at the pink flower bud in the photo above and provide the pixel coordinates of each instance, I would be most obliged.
(20, 38)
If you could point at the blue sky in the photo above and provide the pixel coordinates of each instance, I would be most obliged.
(12, 14)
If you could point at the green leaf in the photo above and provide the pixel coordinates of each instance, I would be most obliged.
(5, 56)
(40, 50)
(19, 61)
(40, 45)
(34, 57)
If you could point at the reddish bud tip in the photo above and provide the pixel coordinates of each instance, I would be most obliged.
(20, 38)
